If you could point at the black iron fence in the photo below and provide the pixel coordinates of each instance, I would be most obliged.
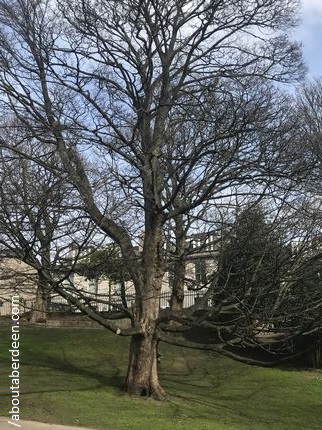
(103, 302)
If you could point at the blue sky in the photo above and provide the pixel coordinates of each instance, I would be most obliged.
(310, 33)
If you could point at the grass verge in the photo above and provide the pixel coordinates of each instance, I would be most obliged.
(73, 376)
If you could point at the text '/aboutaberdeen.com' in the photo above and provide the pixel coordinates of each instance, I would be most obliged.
(15, 364)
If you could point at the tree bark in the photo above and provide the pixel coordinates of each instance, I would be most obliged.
(179, 266)
(177, 295)
(123, 294)
(39, 312)
(142, 375)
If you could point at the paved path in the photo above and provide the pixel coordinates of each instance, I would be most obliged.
(32, 425)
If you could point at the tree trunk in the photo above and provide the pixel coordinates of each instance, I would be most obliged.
(123, 294)
(316, 357)
(177, 294)
(179, 267)
(142, 375)
(39, 312)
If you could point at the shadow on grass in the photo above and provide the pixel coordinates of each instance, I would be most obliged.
(62, 364)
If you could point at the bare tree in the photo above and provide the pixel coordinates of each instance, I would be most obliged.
(308, 104)
(109, 81)
(39, 221)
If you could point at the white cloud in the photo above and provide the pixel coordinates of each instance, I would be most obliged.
(310, 33)
(311, 5)
(311, 10)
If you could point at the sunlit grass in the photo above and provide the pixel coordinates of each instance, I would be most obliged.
(73, 376)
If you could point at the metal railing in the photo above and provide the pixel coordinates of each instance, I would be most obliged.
(101, 302)
(107, 303)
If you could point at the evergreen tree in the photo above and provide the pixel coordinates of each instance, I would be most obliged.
(252, 262)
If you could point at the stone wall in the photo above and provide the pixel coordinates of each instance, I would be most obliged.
(64, 321)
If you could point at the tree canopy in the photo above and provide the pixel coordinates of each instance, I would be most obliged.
(162, 115)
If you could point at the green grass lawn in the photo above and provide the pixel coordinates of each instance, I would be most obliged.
(73, 376)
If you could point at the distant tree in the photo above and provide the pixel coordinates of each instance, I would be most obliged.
(37, 223)
(306, 286)
(252, 262)
(308, 107)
